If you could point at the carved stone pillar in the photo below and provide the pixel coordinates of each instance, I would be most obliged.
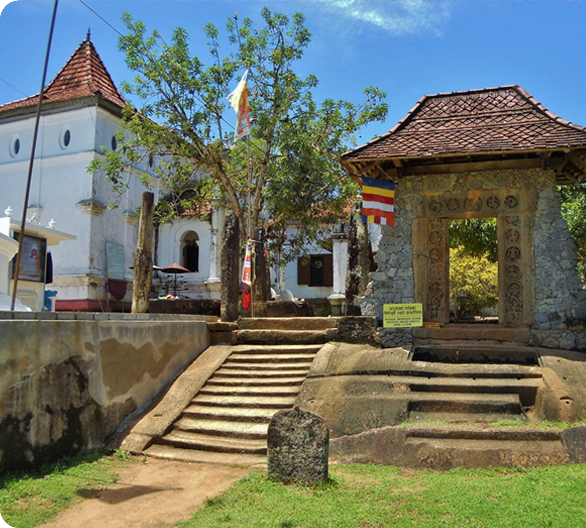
(516, 290)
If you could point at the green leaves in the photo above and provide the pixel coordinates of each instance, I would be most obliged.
(185, 123)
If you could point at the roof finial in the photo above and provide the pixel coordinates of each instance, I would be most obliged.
(88, 35)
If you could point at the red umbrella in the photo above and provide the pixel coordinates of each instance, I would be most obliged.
(175, 269)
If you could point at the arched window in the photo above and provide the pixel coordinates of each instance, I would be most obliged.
(190, 251)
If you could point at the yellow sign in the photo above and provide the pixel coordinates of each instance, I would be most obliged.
(402, 315)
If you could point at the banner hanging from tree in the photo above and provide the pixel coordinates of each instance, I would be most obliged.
(239, 101)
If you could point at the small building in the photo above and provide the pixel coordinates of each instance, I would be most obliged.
(491, 153)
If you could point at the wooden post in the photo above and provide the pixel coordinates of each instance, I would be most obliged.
(143, 257)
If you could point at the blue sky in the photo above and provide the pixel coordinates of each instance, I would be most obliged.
(407, 48)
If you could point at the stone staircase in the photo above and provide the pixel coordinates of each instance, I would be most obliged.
(472, 383)
(228, 418)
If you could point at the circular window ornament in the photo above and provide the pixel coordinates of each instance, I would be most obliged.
(14, 146)
(65, 138)
(114, 143)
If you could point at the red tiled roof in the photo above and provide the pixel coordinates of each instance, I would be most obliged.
(84, 75)
(504, 119)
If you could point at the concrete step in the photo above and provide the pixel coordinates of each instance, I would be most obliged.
(464, 417)
(285, 336)
(168, 452)
(263, 369)
(218, 443)
(261, 402)
(464, 403)
(248, 390)
(228, 413)
(273, 381)
(287, 323)
(270, 358)
(251, 430)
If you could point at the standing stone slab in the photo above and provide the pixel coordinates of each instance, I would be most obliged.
(298, 447)
(574, 441)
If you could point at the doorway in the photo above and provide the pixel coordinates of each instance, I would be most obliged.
(473, 270)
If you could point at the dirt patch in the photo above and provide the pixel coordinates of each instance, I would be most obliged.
(154, 493)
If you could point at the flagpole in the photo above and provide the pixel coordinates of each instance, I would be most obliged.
(250, 170)
(32, 159)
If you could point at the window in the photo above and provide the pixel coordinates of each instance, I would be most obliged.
(315, 270)
(190, 251)
(64, 138)
(14, 146)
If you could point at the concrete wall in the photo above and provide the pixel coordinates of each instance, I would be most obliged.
(67, 385)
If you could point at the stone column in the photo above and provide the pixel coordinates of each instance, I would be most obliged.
(217, 228)
(143, 257)
(230, 269)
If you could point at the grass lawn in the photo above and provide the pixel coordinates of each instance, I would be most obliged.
(368, 496)
(28, 500)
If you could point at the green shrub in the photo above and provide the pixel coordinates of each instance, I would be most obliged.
(473, 283)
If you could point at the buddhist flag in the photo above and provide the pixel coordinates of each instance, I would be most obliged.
(378, 201)
(246, 279)
(239, 101)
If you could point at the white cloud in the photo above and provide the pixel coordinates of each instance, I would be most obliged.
(397, 17)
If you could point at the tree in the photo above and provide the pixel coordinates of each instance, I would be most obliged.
(295, 141)
(573, 204)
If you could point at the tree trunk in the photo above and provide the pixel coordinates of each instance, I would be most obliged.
(230, 269)
(143, 257)
(358, 260)
(260, 286)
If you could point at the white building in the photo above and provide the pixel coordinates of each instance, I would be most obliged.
(81, 114)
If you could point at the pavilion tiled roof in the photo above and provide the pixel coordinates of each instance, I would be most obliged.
(83, 75)
(504, 119)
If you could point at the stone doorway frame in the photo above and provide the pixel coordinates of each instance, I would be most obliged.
(513, 209)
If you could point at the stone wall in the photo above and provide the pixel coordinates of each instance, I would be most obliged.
(555, 302)
(68, 381)
(560, 302)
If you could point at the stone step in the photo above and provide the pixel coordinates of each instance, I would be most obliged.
(263, 369)
(285, 336)
(168, 452)
(473, 332)
(261, 402)
(273, 381)
(218, 443)
(463, 402)
(248, 390)
(471, 432)
(431, 370)
(477, 353)
(277, 349)
(287, 323)
(270, 358)
(526, 388)
(440, 453)
(238, 414)
(228, 428)
(463, 417)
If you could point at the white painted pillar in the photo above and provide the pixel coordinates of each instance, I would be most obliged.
(340, 258)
